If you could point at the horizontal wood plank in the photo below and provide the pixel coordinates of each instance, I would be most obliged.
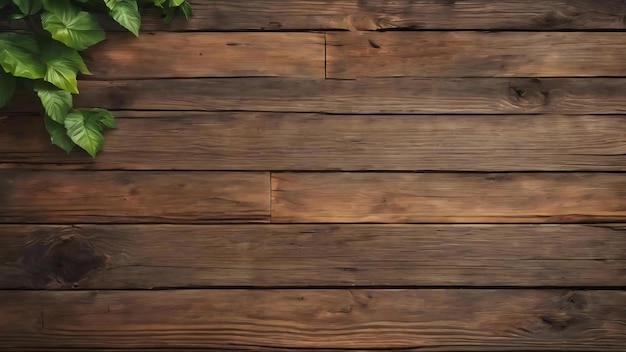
(381, 14)
(435, 197)
(475, 54)
(365, 96)
(424, 320)
(155, 256)
(284, 141)
(135, 197)
(208, 55)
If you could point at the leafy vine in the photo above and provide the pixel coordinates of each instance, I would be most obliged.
(43, 56)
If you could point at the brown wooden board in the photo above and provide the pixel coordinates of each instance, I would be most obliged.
(423, 319)
(475, 54)
(208, 55)
(364, 96)
(381, 14)
(157, 256)
(287, 141)
(133, 197)
(448, 197)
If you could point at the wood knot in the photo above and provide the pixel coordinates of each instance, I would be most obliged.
(367, 22)
(529, 94)
(574, 301)
(561, 316)
(552, 19)
(557, 323)
(61, 259)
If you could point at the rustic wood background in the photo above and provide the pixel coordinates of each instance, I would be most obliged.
(331, 175)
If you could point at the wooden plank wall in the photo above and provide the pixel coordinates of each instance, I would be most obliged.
(334, 175)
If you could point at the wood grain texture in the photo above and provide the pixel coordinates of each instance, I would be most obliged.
(475, 54)
(432, 320)
(294, 141)
(381, 14)
(157, 256)
(208, 55)
(366, 96)
(133, 197)
(436, 197)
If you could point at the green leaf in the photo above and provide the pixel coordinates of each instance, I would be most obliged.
(19, 55)
(7, 88)
(102, 116)
(58, 134)
(62, 64)
(72, 27)
(55, 101)
(126, 13)
(186, 10)
(176, 3)
(85, 127)
(28, 7)
(75, 57)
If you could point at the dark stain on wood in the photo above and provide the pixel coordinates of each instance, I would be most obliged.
(373, 44)
(61, 258)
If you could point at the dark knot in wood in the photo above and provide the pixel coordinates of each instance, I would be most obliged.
(563, 316)
(61, 259)
(529, 94)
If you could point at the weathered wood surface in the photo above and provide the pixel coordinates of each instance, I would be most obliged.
(133, 197)
(523, 127)
(475, 54)
(448, 197)
(208, 55)
(427, 319)
(154, 256)
(405, 14)
(288, 141)
(280, 15)
(364, 96)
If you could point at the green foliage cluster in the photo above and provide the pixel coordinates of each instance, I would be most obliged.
(44, 57)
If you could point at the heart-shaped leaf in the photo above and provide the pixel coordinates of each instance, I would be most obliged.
(126, 13)
(84, 132)
(72, 27)
(85, 127)
(56, 102)
(19, 55)
(102, 116)
(62, 65)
